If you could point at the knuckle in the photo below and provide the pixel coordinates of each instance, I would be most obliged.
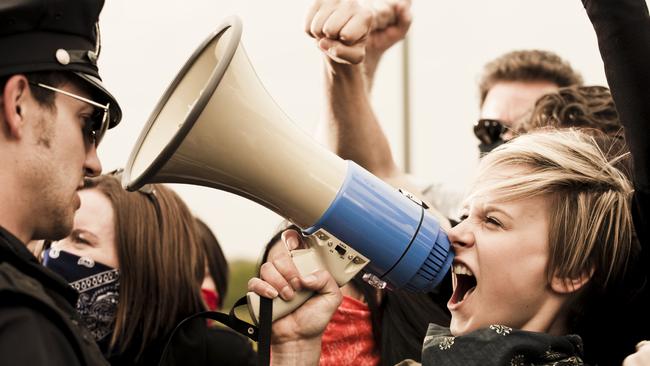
(283, 264)
(347, 35)
(329, 32)
(252, 283)
(266, 268)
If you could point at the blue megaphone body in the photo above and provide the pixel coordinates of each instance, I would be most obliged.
(402, 240)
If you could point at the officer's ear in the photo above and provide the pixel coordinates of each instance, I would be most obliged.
(15, 96)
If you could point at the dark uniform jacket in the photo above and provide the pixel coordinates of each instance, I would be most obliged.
(38, 323)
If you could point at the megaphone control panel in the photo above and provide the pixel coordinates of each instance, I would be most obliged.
(324, 251)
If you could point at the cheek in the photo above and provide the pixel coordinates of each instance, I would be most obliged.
(70, 144)
(208, 283)
(507, 272)
(107, 254)
(106, 257)
(110, 259)
(79, 250)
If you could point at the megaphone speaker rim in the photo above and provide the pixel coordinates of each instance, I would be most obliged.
(233, 23)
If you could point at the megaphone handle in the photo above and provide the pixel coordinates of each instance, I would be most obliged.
(307, 261)
(325, 251)
(280, 307)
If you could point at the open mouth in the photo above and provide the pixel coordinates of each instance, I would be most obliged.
(465, 283)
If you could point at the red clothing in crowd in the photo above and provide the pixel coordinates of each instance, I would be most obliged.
(348, 337)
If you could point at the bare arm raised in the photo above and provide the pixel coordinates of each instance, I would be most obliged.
(392, 21)
(350, 32)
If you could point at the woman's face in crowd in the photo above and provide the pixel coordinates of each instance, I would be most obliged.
(93, 233)
(499, 271)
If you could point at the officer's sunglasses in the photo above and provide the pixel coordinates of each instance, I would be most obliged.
(100, 118)
(489, 131)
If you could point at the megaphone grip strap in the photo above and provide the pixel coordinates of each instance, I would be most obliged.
(264, 345)
(262, 335)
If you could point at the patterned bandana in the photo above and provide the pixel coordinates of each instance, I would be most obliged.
(98, 287)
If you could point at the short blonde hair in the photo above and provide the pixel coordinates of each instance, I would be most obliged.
(590, 214)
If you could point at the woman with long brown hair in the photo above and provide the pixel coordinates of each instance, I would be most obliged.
(137, 261)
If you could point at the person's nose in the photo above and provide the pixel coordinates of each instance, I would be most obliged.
(92, 165)
(461, 235)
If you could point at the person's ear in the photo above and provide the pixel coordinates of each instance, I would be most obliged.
(14, 104)
(567, 285)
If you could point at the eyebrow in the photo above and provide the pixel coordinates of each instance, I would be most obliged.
(491, 208)
(87, 108)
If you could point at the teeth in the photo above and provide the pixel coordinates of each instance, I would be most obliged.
(461, 269)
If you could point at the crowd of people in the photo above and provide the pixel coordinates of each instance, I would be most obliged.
(550, 259)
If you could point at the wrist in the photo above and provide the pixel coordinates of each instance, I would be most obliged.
(346, 76)
(335, 68)
(297, 352)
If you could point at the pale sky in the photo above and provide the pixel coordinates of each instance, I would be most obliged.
(145, 42)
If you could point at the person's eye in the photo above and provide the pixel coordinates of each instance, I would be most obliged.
(463, 217)
(80, 239)
(490, 220)
(88, 131)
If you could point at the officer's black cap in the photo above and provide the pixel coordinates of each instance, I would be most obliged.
(54, 35)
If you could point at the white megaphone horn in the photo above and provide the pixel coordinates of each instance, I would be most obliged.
(217, 126)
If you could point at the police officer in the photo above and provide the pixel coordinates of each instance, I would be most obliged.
(54, 111)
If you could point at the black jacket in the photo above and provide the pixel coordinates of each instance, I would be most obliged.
(38, 324)
(623, 31)
(194, 344)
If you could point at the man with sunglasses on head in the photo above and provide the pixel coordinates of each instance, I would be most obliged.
(54, 111)
(509, 87)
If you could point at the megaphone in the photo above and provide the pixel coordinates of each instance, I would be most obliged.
(216, 126)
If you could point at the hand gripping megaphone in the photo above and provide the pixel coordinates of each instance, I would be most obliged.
(216, 126)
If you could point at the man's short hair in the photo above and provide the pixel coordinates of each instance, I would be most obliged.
(56, 79)
(528, 66)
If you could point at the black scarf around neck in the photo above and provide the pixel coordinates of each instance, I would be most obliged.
(500, 345)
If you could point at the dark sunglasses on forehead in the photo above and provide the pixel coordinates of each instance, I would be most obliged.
(489, 131)
(99, 119)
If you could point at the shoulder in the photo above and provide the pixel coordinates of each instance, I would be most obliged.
(194, 343)
(28, 337)
(39, 324)
(227, 337)
(230, 348)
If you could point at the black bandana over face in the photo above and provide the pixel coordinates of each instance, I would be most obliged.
(98, 287)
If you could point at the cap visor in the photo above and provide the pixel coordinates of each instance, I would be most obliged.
(96, 83)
